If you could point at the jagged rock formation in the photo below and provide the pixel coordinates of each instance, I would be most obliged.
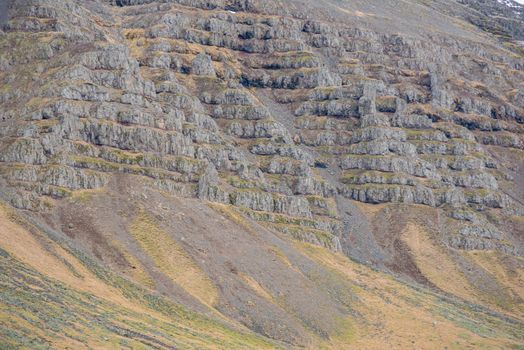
(176, 94)
(289, 117)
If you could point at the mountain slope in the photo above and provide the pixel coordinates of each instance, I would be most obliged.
(262, 174)
(54, 296)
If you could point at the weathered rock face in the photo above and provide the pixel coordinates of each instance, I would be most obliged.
(202, 65)
(254, 105)
(500, 20)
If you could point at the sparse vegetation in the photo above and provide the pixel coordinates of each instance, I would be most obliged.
(172, 260)
(199, 174)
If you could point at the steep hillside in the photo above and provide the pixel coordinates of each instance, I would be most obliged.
(262, 174)
(250, 288)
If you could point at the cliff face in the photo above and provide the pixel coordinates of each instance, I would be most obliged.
(256, 143)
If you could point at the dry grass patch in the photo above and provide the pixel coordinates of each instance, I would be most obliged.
(53, 261)
(172, 260)
(138, 272)
(370, 210)
(435, 264)
(281, 256)
(509, 277)
(391, 315)
(253, 284)
(229, 212)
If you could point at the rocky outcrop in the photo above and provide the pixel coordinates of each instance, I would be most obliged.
(202, 65)
(247, 104)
